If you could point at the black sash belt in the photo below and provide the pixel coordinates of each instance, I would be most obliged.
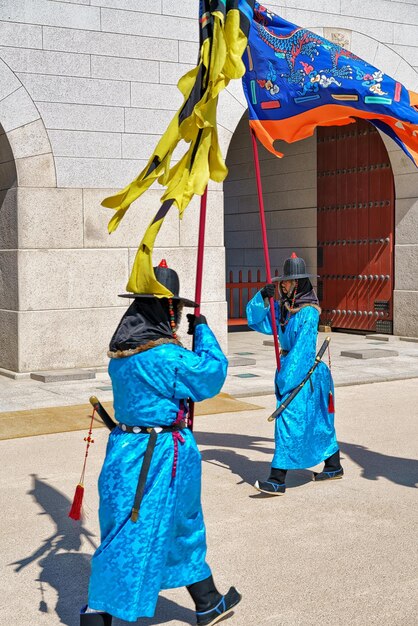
(153, 433)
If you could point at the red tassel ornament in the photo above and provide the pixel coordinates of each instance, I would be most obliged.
(331, 407)
(75, 511)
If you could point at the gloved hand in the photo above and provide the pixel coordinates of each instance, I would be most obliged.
(193, 321)
(268, 291)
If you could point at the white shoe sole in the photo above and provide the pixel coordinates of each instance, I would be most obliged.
(222, 616)
(269, 493)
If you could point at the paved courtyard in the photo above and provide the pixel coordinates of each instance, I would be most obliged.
(343, 552)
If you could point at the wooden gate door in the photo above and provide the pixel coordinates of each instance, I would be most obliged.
(355, 228)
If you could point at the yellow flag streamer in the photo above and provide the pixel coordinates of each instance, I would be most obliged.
(195, 123)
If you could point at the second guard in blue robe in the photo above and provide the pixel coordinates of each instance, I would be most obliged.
(304, 433)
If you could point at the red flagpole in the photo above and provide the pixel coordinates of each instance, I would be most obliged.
(199, 275)
(265, 244)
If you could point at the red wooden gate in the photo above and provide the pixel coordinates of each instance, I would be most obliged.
(355, 228)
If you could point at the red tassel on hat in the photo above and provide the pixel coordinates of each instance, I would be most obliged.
(293, 255)
(75, 511)
(331, 408)
(163, 263)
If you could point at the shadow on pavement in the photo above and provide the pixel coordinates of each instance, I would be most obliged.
(376, 465)
(64, 568)
(249, 471)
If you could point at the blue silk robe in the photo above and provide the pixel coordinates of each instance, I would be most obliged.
(304, 433)
(166, 547)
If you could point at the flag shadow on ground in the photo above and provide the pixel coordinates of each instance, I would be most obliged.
(223, 454)
(63, 567)
(375, 465)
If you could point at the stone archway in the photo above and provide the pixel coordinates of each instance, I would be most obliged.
(26, 170)
(233, 107)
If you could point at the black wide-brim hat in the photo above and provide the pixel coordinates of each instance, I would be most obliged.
(170, 279)
(294, 268)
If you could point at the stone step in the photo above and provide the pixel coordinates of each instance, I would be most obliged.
(412, 339)
(369, 353)
(378, 337)
(57, 376)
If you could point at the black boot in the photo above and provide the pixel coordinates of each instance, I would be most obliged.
(94, 619)
(332, 468)
(275, 484)
(211, 606)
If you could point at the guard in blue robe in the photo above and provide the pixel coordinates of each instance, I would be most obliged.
(304, 432)
(151, 520)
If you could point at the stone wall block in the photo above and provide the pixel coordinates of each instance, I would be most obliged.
(189, 225)
(9, 299)
(406, 267)
(409, 53)
(378, 29)
(401, 163)
(9, 340)
(110, 44)
(134, 224)
(405, 305)
(6, 153)
(230, 111)
(17, 109)
(8, 176)
(44, 87)
(20, 35)
(239, 222)
(138, 70)
(188, 8)
(46, 62)
(73, 143)
(183, 260)
(29, 140)
(8, 80)
(81, 117)
(66, 339)
(406, 221)
(389, 11)
(407, 75)
(162, 26)
(36, 171)
(138, 146)
(406, 185)
(50, 218)
(299, 237)
(147, 121)
(8, 219)
(170, 73)
(188, 51)
(99, 173)
(224, 138)
(151, 96)
(322, 6)
(387, 60)
(45, 12)
(51, 279)
(141, 6)
(236, 90)
(302, 218)
(365, 47)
